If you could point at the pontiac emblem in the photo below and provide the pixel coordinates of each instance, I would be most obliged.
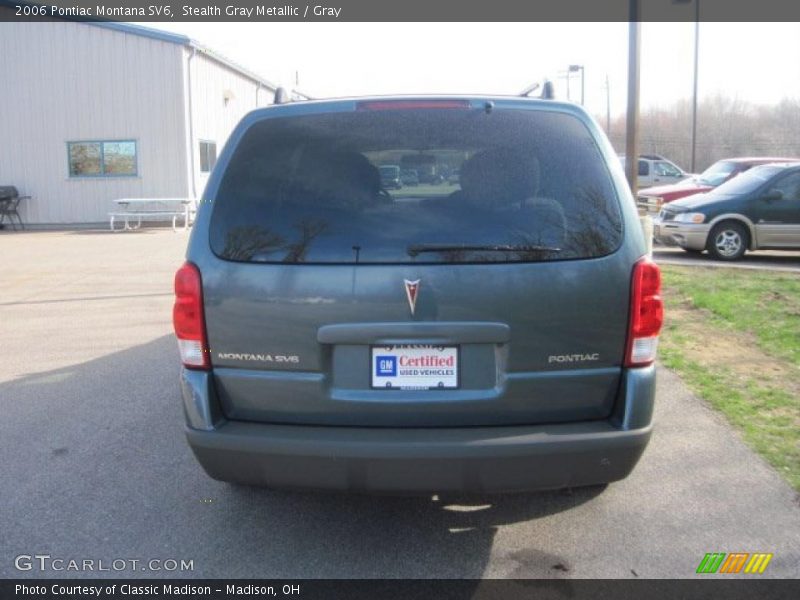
(412, 289)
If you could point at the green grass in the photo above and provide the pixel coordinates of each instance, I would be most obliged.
(736, 306)
(763, 303)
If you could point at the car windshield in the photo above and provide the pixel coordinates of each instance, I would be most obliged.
(531, 186)
(748, 181)
(716, 173)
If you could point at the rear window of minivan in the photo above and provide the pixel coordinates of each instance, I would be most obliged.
(507, 185)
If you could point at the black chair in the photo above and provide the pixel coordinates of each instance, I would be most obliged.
(9, 206)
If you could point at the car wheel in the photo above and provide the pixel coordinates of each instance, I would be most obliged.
(728, 241)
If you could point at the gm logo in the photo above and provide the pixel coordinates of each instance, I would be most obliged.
(385, 366)
(716, 562)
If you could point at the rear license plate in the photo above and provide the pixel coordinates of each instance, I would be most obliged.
(414, 367)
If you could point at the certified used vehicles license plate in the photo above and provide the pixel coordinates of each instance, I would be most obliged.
(414, 367)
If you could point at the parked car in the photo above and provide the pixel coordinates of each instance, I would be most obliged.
(409, 177)
(425, 165)
(390, 177)
(651, 199)
(497, 337)
(759, 209)
(657, 170)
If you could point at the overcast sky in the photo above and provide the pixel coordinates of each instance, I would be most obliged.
(757, 62)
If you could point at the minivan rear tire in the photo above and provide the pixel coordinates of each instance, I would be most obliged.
(728, 241)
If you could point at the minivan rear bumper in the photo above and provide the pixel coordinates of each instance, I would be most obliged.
(419, 460)
(422, 460)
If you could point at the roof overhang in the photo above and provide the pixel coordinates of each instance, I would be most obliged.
(182, 40)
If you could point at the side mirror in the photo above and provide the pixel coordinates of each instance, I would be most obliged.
(773, 195)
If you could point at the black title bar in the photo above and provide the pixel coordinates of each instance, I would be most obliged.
(403, 10)
(390, 589)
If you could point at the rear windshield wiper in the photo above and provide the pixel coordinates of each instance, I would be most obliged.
(415, 249)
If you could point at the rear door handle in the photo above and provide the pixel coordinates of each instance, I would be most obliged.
(422, 332)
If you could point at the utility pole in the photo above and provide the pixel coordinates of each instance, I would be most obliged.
(696, 68)
(694, 95)
(572, 69)
(632, 121)
(608, 107)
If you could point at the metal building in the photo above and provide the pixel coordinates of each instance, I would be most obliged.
(93, 112)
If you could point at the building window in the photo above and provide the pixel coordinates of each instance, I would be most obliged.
(208, 156)
(102, 159)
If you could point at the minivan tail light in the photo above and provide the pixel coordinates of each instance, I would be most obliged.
(410, 104)
(646, 316)
(187, 317)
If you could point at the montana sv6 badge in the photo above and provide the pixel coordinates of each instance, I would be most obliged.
(278, 358)
(412, 289)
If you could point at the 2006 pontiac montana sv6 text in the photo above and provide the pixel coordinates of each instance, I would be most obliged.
(493, 331)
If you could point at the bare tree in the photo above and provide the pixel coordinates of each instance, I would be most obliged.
(726, 127)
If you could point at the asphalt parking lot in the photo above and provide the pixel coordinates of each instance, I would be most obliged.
(766, 260)
(95, 465)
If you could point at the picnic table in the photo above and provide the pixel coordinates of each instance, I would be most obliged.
(135, 210)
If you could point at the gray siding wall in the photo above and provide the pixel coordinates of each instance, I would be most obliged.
(220, 97)
(66, 81)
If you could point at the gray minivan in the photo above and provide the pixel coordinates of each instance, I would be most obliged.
(498, 334)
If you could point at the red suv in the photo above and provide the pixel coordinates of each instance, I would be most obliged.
(721, 171)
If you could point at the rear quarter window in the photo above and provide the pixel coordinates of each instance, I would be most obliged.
(507, 186)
